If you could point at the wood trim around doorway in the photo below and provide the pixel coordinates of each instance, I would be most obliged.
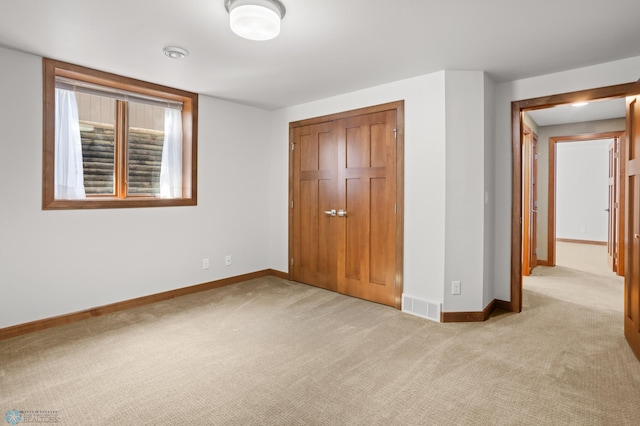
(551, 192)
(517, 108)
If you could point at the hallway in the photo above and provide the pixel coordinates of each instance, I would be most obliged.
(581, 276)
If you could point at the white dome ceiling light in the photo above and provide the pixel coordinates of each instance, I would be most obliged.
(255, 19)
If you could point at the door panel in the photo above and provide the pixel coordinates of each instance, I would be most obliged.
(308, 256)
(355, 233)
(632, 238)
(379, 251)
(367, 175)
(358, 147)
(314, 191)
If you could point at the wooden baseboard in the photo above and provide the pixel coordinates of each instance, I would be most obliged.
(505, 306)
(30, 327)
(475, 316)
(544, 263)
(568, 240)
(279, 274)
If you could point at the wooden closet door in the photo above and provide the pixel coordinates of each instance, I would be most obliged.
(345, 182)
(367, 195)
(314, 180)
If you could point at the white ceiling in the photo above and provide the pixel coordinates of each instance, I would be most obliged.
(326, 47)
(594, 110)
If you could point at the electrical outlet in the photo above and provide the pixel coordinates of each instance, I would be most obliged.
(455, 287)
(582, 230)
(205, 263)
(227, 260)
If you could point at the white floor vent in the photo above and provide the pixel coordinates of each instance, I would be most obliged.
(421, 307)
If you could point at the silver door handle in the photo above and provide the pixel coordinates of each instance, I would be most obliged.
(534, 211)
(606, 210)
(330, 212)
(342, 213)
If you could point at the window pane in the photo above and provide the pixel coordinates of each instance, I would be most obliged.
(145, 141)
(97, 119)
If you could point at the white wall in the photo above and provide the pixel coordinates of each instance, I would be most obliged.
(544, 133)
(424, 175)
(489, 188)
(57, 262)
(611, 73)
(465, 188)
(582, 190)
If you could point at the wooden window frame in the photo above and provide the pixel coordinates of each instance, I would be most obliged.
(53, 69)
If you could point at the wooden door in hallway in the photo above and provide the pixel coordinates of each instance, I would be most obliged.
(530, 201)
(632, 237)
(613, 222)
(345, 221)
(611, 207)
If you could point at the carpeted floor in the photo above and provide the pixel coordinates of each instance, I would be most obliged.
(581, 276)
(273, 352)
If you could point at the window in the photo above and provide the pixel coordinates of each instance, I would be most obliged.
(112, 141)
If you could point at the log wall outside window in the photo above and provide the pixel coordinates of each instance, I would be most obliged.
(145, 156)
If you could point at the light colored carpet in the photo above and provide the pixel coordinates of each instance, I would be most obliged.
(273, 352)
(581, 276)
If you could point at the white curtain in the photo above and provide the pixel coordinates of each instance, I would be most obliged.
(69, 175)
(171, 166)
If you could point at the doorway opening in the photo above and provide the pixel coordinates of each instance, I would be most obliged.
(579, 213)
(518, 108)
(567, 202)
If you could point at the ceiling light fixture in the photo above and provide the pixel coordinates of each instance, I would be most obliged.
(175, 52)
(255, 19)
(579, 104)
